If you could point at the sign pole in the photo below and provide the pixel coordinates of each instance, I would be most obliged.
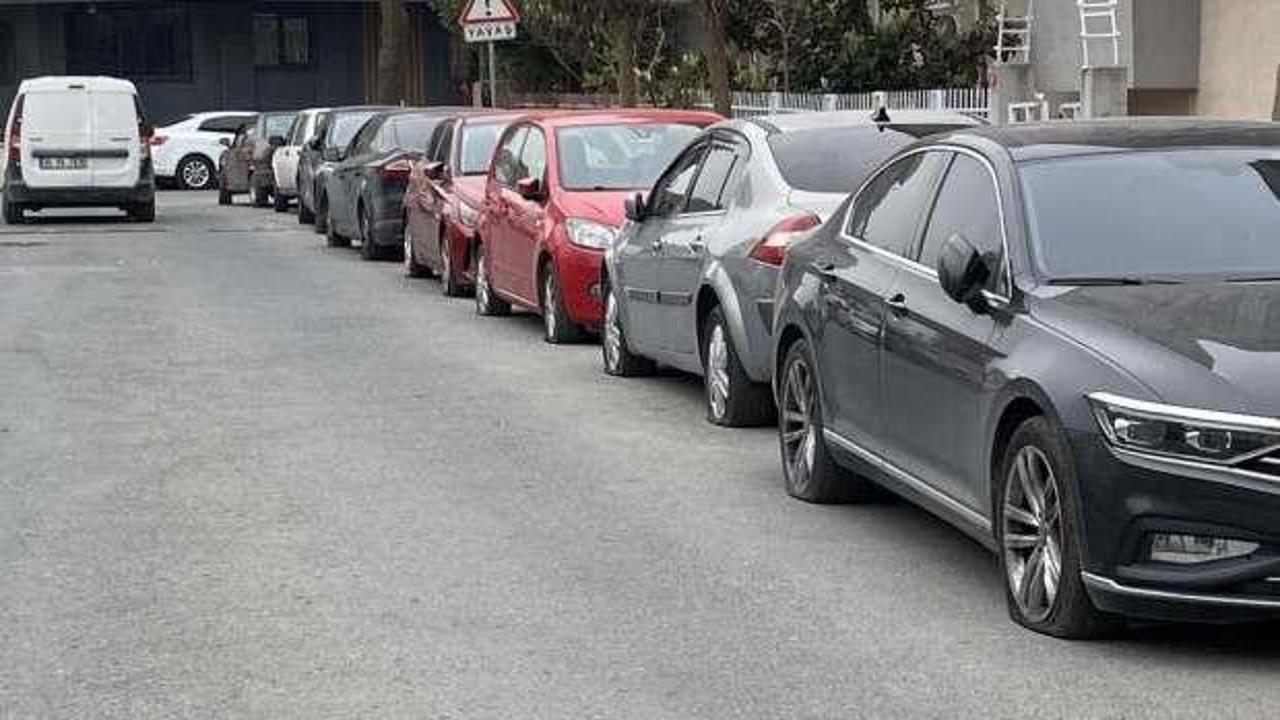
(493, 76)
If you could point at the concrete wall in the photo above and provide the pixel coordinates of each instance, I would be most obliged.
(1164, 49)
(1239, 58)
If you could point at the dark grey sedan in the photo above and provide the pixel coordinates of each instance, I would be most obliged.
(334, 130)
(691, 278)
(1063, 339)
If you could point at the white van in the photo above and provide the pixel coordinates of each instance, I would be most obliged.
(78, 142)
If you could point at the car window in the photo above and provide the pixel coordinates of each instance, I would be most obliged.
(709, 189)
(477, 147)
(839, 159)
(364, 139)
(301, 129)
(533, 158)
(412, 132)
(343, 128)
(507, 159)
(442, 142)
(385, 139)
(672, 191)
(966, 205)
(278, 125)
(887, 212)
(618, 157)
(225, 123)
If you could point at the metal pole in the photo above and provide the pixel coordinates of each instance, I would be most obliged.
(493, 77)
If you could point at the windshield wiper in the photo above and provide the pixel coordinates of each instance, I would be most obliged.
(1102, 281)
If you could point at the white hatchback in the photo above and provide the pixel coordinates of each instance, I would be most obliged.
(77, 142)
(285, 160)
(187, 151)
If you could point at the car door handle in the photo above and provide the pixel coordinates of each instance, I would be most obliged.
(898, 305)
(825, 269)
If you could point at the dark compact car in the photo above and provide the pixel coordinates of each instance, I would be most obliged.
(366, 189)
(245, 167)
(334, 131)
(691, 278)
(1064, 339)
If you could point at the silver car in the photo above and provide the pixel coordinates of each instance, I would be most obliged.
(690, 279)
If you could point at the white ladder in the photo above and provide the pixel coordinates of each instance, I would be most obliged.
(1098, 23)
(1013, 34)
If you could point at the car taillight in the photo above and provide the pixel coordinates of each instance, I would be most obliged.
(146, 138)
(395, 171)
(15, 135)
(772, 248)
(158, 140)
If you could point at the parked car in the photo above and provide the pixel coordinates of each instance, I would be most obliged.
(77, 142)
(186, 152)
(334, 131)
(690, 281)
(1062, 339)
(366, 189)
(442, 203)
(246, 165)
(284, 163)
(553, 201)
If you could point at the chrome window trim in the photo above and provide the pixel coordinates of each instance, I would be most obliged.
(1106, 584)
(964, 511)
(912, 264)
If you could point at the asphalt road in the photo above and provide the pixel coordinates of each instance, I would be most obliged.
(245, 475)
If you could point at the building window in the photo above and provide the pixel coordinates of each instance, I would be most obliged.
(134, 42)
(8, 55)
(279, 40)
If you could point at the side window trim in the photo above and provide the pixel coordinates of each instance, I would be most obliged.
(741, 149)
(515, 155)
(699, 147)
(1006, 266)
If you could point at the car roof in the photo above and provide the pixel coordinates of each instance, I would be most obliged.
(1086, 137)
(617, 116)
(97, 83)
(491, 117)
(793, 122)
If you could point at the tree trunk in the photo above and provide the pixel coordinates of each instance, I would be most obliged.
(717, 53)
(393, 43)
(624, 61)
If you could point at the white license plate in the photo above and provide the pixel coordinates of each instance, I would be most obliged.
(64, 163)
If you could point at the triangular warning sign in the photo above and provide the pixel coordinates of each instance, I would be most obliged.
(488, 11)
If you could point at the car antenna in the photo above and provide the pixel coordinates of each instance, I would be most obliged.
(881, 118)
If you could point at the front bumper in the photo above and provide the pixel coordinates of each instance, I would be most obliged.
(1126, 498)
(580, 270)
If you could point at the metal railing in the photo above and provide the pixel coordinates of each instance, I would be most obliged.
(970, 101)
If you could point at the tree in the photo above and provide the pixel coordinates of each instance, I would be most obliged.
(716, 13)
(393, 43)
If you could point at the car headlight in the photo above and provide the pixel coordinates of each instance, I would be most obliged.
(468, 214)
(589, 233)
(1188, 433)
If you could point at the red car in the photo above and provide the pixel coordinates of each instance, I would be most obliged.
(554, 201)
(446, 191)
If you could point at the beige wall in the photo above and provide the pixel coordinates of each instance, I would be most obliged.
(1239, 58)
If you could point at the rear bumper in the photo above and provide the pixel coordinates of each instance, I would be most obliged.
(18, 192)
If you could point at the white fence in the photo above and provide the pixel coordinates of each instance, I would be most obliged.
(970, 101)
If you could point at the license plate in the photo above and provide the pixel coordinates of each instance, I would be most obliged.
(63, 163)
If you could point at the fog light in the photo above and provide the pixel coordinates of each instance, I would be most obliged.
(1192, 549)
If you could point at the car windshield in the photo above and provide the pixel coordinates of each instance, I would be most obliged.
(477, 147)
(1156, 213)
(279, 125)
(618, 157)
(345, 126)
(839, 159)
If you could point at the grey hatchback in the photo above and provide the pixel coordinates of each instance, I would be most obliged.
(690, 280)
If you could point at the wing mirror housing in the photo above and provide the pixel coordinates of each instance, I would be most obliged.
(435, 170)
(963, 272)
(635, 208)
(529, 188)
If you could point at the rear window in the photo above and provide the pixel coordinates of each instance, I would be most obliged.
(413, 133)
(839, 159)
(56, 112)
(478, 142)
(344, 127)
(279, 125)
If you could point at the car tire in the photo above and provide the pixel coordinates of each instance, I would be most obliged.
(733, 400)
(261, 197)
(224, 196)
(13, 212)
(557, 327)
(321, 219)
(616, 357)
(1037, 529)
(809, 471)
(450, 284)
(332, 238)
(369, 250)
(487, 302)
(411, 267)
(280, 202)
(194, 172)
(305, 215)
(143, 212)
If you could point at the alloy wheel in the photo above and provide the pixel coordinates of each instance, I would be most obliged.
(612, 333)
(1031, 533)
(550, 301)
(446, 265)
(718, 371)
(195, 174)
(799, 431)
(482, 281)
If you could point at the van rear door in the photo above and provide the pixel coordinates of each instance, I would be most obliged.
(117, 147)
(57, 138)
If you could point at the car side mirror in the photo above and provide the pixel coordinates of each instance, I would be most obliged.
(963, 272)
(316, 143)
(224, 142)
(529, 188)
(435, 170)
(276, 141)
(635, 208)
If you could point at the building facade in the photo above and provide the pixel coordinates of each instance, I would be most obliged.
(192, 55)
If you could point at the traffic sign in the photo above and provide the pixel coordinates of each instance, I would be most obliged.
(489, 32)
(489, 11)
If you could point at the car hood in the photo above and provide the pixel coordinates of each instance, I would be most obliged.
(1208, 345)
(605, 206)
